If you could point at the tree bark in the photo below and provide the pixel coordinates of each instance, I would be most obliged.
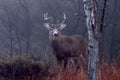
(90, 12)
(103, 16)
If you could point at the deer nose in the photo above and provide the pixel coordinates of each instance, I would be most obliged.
(55, 34)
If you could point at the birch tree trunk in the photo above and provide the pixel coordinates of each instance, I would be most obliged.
(90, 12)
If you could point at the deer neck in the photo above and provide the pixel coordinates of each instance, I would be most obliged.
(56, 44)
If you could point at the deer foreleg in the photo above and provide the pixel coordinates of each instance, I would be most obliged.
(65, 62)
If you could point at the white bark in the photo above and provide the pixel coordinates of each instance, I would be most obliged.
(89, 9)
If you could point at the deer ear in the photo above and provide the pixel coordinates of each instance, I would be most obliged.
(47, 26)
(62, 26)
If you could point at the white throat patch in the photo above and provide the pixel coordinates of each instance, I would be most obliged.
(55, 34)
(55, 31)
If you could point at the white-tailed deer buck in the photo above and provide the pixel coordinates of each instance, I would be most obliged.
(65, 47)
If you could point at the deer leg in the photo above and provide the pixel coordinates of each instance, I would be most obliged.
(77, 62)
(83, 60)
(73, 63)
(65, 62)
(59, 61)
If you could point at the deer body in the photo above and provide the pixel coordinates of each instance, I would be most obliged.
(65, 47)
(69, 46)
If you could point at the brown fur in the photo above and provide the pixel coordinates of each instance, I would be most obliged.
(65, 47)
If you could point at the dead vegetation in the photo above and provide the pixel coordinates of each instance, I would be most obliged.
(24, 68)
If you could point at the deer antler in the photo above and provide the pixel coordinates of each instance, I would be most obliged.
(46, 19)
(64, 18)
(63, 23)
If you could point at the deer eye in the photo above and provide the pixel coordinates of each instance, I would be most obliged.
(51, 28)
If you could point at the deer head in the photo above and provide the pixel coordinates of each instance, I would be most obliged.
(54, 29)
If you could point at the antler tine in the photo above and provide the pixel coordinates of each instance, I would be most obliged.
(64, 18)
(46, 18)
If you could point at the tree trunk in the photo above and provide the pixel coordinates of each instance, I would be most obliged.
(90, 9)
(11, 38)
(19, 42)
(11, 44)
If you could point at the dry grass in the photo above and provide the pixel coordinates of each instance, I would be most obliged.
(106, 72)
(68, 74)
(109, 71)
(35, 70)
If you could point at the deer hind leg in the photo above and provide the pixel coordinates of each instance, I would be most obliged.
(78, 62)
(83, 60)
(73, 63)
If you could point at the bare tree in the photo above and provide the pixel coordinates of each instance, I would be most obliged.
(7, 23)
(28, 23)
(90, 12)
(18, 25)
